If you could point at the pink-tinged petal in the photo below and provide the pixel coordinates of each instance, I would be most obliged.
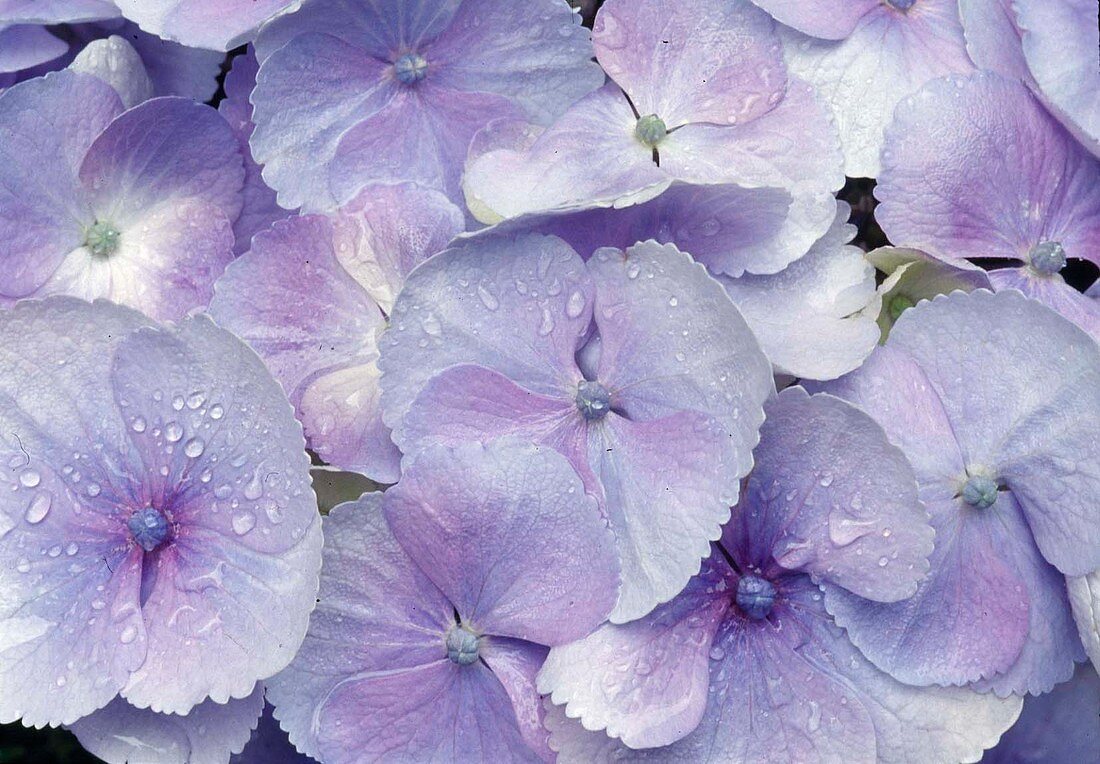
(992, 37)
(645, 682)
(315, 327)
(672, 341)
(70, 624)
(175, 69)
(813, 504)
(508, 533)
(209, 733)
(43, 208)
(260, 208)
(165, 265)
(910, 723)
(376, 613)
(692, 61)
(535, 53)
(403, 225)
(1038, 434)
(115, 61)
(975, 167)
(519, 306)
(1084, 598)
(814, 319)
(167, 149)
(1052, 291)
(889, 55)
(828, 19)
(727, 228)
(515, 664)
(1060, 39)
(437, 712)
(55, 11)
(667, 488)
(308, 94)
(793, 146)
(214, 24)
(269, 745)
(588, 157)
(25, 46)
(1057, 726)
(226, 601)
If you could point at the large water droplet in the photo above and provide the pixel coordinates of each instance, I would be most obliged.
(194, 448)
(243, 523)
(173, 432)
(29, 478)
(38, 508)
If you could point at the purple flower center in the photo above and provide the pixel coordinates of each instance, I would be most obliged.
(462, 645)
(410, 68)
(650, 130)
(1047, 257)
(755, 597)
(102, 239)
(149, 527)
(901, 5)
(979, 491)
(593, 400)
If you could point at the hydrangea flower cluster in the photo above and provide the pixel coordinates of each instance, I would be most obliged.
(707, 381)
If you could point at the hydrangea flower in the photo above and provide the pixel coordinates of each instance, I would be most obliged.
(159, 538)
(974, 167)
(699, 93)
(865, 56)
(115, 61)
(813, 311)
(1059, 726)
(260, 208)
(215, 24)
(134, 205)
(209, 733)
(1048, 44)
(635, 365)
(313, 297)
(437, 601)
(1002, 433)
(746, 664)
(352, 93)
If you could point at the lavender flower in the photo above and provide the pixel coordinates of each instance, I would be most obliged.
(213, 24)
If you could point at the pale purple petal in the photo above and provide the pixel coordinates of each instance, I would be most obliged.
(596, 678)
(1084, 598)
(269, 745)
(692, 61)
(1053, 292)
(115, 61)
(508, 533)
(43, 209)
(889, 55)
(827, 19)
(214, 24)
(975, 167)
(515, 664)
(55, 11)
(25, 46)
(209, 733)
(992, 37)
(175, 69)
(814, 319)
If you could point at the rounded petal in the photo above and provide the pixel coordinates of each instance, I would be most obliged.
(227, 601)
(829, 20)
(507, 532)
(213, 24)
(25, 46)
(814, 319)
(1038, 428)
(115, 61)
(1084, 598)
(292, 300)
(44, 207)
(1052, 291)
(992, 37)
(515, 664)
(518, 306)
(208, 734)
(815, 504)
(597, 678)
(269, 745)
(888, 55)
(692, 61)
(56, 11)
(176, 70)
(975, 167)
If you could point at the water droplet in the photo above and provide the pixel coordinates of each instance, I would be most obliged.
(717, 653)
(23, 566)
(243, 523)
(194, 448)
(128, 635)
(30, 478)
(254, 489)
(216, 411)
(883, 562)
(431, 325)
(177, 403)
(547, 324)
(38, 508)
(138, 425)
(93, 489)
(72, 549)
(487, 298)
(173, 432)
(194, 400)
(575, 305)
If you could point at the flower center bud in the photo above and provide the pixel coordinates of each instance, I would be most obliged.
(102, 239)
(149, 527)
(650, 130)
(410, 68)
(1047, 257)
(755, 597)
(979, 491)
(593, 400)
(901, 5)
(462, 645)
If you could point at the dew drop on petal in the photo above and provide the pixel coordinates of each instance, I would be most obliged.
(243, 523)
(194, 448)
(173, 432)
(29, 478)
(38, 508)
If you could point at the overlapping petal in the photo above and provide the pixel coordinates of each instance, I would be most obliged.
(213, 24)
